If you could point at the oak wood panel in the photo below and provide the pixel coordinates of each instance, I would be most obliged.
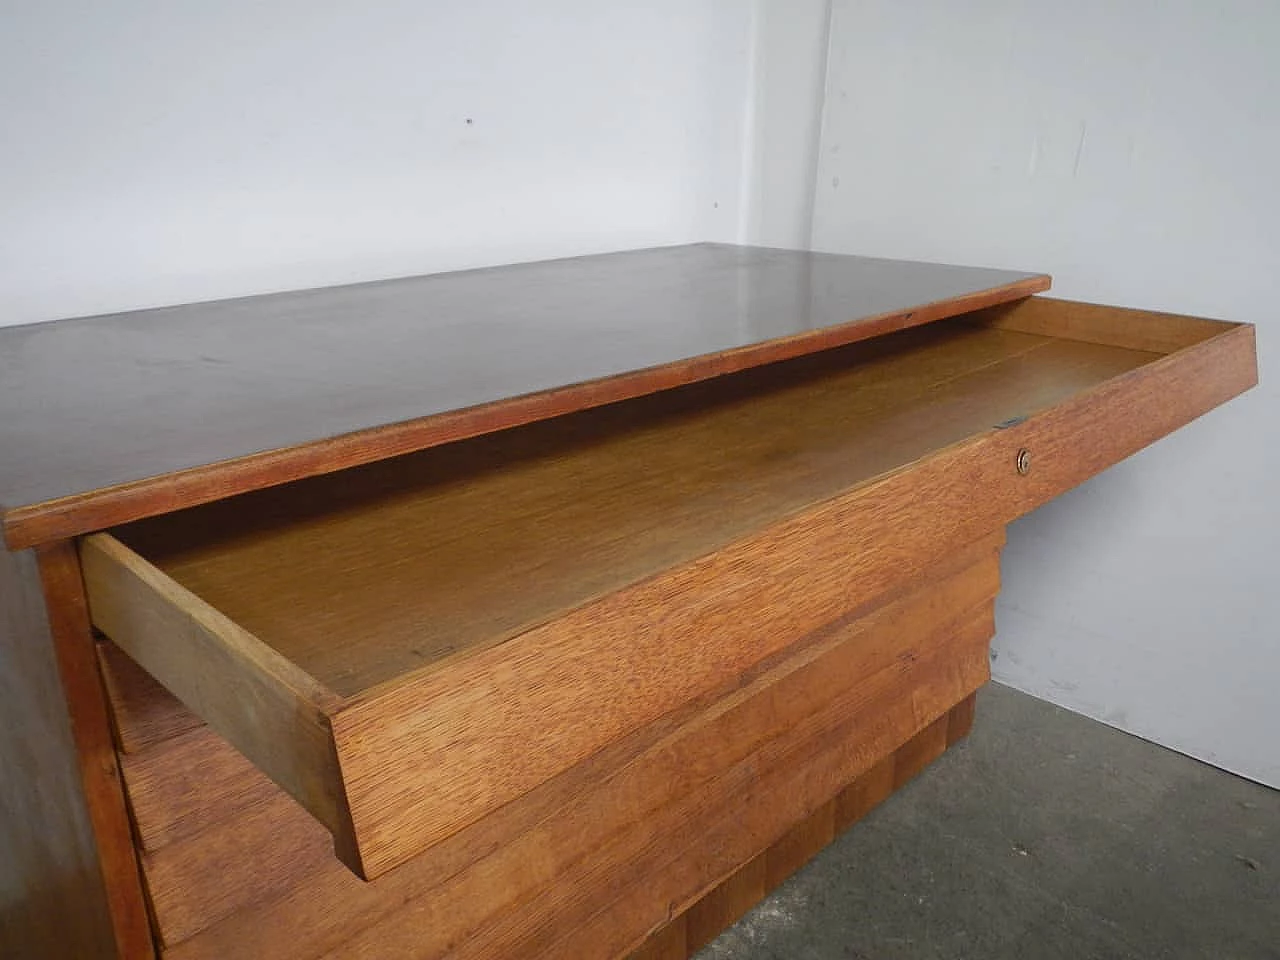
(728, 902)
(493, 866)
(383, 730)
(143, 711)
(188, 880)
(115, 418)
(553, 677)
(868, 791)
(924, 748)
(262, 703)
(695, 856)
(670, 942)
(183, 777)
(189, 899)
(466, 546)
(214, 898)
(798, 845)
(730, 899)
(960, 720)
(632, 855)
(1080, 437)
(1132, 329)
(603, 903)
(55, 789)
(186, 785)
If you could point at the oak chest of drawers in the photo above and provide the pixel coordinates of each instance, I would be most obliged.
(554, 610)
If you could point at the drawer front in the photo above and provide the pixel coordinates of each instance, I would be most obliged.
(403, 766)
(598, 678)
(1207, 364)
(619, 849)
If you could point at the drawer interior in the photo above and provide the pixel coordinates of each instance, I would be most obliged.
(389, 643)
(362, 576)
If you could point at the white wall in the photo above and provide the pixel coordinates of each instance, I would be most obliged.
(1132, 150)
(789, 65)
(155, 152)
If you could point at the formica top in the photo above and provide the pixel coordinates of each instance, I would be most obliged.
(107, 419)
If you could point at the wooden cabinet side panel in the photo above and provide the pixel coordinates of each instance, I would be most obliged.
(54, 899)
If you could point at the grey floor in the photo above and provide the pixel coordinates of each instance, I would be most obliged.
(1043, 835)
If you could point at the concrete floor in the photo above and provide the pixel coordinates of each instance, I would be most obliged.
(1043, 835)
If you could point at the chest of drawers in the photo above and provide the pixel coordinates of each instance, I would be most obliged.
(549, 610)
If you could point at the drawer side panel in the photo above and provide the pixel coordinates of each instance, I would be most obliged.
(272, 711)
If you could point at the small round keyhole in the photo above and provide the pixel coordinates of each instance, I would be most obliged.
(1024, 461)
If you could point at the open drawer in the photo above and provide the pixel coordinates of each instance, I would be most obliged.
(407, 646)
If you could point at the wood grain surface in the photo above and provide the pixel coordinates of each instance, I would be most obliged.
(730, 899)
(795, 848)
(186, 785)
(144, 712)
(195, 803)
(711, 585)
(809, 457)
(203, 877)
(865, 793)
(855, 666)
(925, 747)
(609, 667)
(798, 845)
(1145, 330)
(463, 547)
(604, 902)
(697, 855)
(274, 713)
(108, 419)
(669, 943)
(883, 527)
(960, 721)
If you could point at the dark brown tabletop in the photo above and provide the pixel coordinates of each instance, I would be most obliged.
(107, 419)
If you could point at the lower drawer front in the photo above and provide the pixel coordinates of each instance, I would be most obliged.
(598, 862)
